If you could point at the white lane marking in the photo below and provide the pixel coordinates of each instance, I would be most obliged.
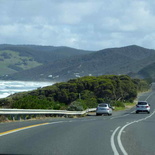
(149, 96)
(88, 119)
(123, 115)
(133, 111)
(58, 122)
(119, 116)
(121, 130)
(113, 143)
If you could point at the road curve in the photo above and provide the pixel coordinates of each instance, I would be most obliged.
(122, 133)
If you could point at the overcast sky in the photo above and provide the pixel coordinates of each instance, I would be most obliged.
(83, 24)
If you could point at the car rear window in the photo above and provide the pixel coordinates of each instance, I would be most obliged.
(103, 105)
(142, 103)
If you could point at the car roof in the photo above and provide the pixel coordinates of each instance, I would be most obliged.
(103, 103)
(142, 102)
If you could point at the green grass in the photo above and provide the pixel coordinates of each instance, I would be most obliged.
(119, 108)
(13, 58)
(127, 106)
(130, 104)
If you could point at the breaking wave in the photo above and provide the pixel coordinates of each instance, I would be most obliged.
(10, 87)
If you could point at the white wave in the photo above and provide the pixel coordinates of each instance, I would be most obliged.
(10, 87)
(4, 95)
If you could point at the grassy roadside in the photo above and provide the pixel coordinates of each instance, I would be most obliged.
(126, 106)
(130, 105)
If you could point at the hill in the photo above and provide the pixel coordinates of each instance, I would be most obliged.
(15, 58)
(147, 72)
(124, 60)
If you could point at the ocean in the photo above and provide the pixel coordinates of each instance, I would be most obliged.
(10, 87)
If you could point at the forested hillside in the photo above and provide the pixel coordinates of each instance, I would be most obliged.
(124, 60)
(42, 63)
(148, 72)
(79, 94)
(16, 58)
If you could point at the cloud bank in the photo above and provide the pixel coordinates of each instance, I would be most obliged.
(84, 24)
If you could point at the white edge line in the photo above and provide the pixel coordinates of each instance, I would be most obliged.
(120, 116)
(113, 143)
(119, 139)
(121, 130)
(149, 96)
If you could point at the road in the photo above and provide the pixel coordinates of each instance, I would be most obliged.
(122, 133)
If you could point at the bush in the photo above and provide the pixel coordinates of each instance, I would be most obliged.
(3, 118)
(75, 106)
(118, 104)
(81, 93)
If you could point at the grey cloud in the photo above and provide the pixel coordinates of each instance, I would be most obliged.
(85, 24)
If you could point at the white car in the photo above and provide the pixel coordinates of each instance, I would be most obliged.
(142, 106)
(103, 108)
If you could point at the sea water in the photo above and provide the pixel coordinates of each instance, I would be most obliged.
(10, 87)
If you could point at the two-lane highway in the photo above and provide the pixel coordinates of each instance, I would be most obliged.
(123, 132)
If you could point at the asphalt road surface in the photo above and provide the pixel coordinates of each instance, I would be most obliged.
(120, 134)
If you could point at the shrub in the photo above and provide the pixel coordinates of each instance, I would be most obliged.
(118, 104)
(75, 106)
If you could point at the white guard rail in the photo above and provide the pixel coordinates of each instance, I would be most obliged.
(42, 112)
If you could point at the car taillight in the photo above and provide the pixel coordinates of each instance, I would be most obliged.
(147, 106)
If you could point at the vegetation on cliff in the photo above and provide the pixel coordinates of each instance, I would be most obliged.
(79, 94)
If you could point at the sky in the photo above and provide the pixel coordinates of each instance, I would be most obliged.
(83, 24)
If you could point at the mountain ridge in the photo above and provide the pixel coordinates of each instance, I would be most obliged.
(15, 58)
(120, 60)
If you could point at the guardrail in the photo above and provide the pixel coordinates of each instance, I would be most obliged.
(24, 112)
